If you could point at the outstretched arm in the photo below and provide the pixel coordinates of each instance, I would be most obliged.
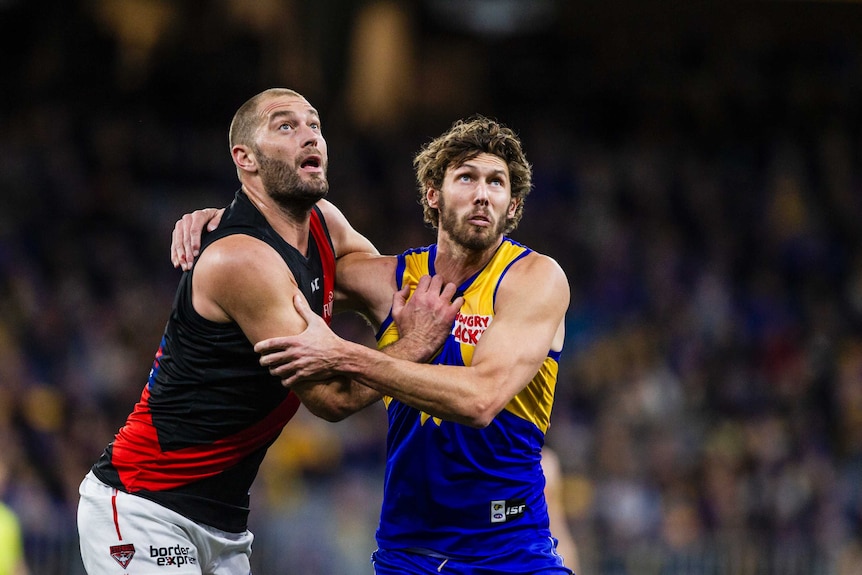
(241, 279)
(528, 323)
(425, 320)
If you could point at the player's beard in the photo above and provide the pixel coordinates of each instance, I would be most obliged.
(466, 234)
(284, 184)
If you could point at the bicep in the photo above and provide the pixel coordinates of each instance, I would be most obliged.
(345, 238)
(528, 323)
(365, 283)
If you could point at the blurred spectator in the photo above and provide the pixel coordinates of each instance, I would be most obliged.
(12, 560)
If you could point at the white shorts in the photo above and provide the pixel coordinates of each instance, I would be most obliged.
(125, 534)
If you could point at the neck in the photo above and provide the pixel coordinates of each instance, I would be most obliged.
(455, 263)
(291, 223)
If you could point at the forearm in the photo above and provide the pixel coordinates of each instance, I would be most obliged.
(336, 399)
(439, 390)
(410, 349)
(339, 398)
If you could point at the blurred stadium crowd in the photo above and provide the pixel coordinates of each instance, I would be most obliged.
(697, 174)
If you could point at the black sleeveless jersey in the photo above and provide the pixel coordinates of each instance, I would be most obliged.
(195, 440)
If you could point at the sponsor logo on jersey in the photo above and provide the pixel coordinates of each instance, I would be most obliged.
(503, 510)
(328, 306)
(469, 328)
(172, 556)
(123, 554)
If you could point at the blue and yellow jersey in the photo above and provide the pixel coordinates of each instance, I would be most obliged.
(449, 488)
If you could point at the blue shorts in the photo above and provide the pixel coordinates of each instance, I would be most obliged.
(539, 558)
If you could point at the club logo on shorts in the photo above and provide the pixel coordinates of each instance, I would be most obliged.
(503, 510)
(123, 554)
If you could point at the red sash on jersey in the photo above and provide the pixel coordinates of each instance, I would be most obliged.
(327, 258)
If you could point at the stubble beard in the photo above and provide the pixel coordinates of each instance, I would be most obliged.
(286, 186)
(467, 235)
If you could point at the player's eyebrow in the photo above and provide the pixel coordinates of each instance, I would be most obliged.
(292, 113)
(279, 114)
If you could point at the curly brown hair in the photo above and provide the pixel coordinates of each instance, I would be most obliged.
(465, 140)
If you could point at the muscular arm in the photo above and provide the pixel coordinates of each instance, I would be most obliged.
(345, 238)
(365, 284)
(424, 318)
(242, 279)
(528, 322)
(360, 269)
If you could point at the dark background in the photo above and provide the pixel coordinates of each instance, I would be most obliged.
(697, 175)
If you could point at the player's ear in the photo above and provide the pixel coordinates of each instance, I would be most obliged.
(244, 158)
(432, 195)
(513, 207)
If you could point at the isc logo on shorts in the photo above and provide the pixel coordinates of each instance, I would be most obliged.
(503, 510)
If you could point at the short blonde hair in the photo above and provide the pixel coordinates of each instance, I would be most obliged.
(247, 120)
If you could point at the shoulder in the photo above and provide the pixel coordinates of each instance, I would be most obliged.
(235, 250)
(330, 211)
(542, 266)
(239, 260)
(539, 275)
(237, 272)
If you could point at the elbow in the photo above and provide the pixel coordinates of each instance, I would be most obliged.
(330, 414)
(333, 412)
(334, 416)
(478, 422)
(479, 414)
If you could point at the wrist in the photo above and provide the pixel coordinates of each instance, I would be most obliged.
(412, 348)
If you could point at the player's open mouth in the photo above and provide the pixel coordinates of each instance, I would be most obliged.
(311, 162)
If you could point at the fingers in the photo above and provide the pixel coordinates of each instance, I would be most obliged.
(192, 226)
(270, 345)
(186, 237)
(214, 216)
(305, 311)
(399, 299)
(185, 242)
(448, 291)
(456, 304)
(276, 344)
(426, 282)
(176, 241)
(434, 284)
